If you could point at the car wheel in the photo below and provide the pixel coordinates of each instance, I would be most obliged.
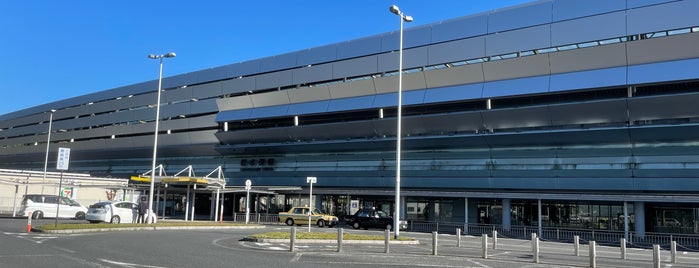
(321, 223)
(80, 215)
(355, 225)
(116, 219)
(37, 215)
(389, 227)
(290, 221)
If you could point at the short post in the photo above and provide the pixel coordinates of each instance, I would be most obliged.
(458, 237)
(386, 241)
(656, 256)
(485, 246)
(292, 243)
(622, 246)
(535, 247)
(340, 236)
(593, 254)
(29, 222)
(673, 251)
(576, 245)
(495, 239)
(434, 243)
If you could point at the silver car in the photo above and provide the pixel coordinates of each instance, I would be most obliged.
(113, 212)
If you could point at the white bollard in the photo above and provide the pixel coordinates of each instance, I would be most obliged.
(593, 254)
(386, 241)
(622, 246)
(576, 245)
(673, 251)
(434, 243)
(495, 239)
(458, 237)
(535, 248)
(292, 243)
(485, 246)
(340, 237)
(656, 256)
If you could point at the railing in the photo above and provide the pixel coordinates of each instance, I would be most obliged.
(687, 241)
(257, 217)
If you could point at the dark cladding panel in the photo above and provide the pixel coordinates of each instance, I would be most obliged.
(348, 104)
(583, 59)
(203, 106)
(656, 72)
(234, 115)
(454, 93)
(416, 57)
(273, 80)
(663, 107)
(207, 90)
(270, 111)
(317, 55)
(641, 3)
(521, 86)
(305, 94)
(663, 49)
(589, 113)
(571, 9)
(314, 73)
(312, 107)
(464, 74)
(412, 37)
(662, 17)
(536, 65)
(516, 118)
(355, 67)
(581, 80)
(359, 47)
(243, 69)
(460, 28)
(536, 37)
(527, 15)
(458, 50)
(598, 27)
(279, 62)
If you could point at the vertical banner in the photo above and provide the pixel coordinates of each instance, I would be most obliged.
(63, 158)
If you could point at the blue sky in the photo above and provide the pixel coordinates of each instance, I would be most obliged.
(53, 50)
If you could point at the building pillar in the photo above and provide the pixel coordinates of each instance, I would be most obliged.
(539, 221)
(430, 211)
(465, 215)
(318, 201)
(506, 215)
(639, 212)
(403, 208)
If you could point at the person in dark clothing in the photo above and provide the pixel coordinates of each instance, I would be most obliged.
(142, 210)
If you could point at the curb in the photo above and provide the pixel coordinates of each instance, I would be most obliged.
(331, 241)
(73, 231)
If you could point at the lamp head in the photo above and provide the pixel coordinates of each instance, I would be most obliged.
(394, 9)
(170, 55)
(152, 56)
(408, 18)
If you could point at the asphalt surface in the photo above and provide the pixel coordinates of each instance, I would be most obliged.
(227, 248)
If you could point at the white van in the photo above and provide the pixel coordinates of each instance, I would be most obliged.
(44, 206)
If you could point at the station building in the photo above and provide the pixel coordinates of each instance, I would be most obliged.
(554, 113)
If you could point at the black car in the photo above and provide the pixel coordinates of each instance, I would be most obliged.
(371, 218)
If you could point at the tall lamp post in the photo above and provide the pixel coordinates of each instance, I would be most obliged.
(396, 218)
(48, 144)
(157, 119)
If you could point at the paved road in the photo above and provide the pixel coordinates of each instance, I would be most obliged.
(225, 248)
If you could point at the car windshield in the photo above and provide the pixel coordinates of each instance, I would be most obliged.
(317, 211)
(382, 214)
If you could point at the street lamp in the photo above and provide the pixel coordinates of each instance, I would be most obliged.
(311, 181)
(155, 142)
(48, 143)
(396, 218)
